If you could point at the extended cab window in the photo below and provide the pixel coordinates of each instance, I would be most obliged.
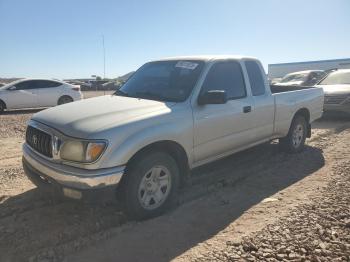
(255, 78)
(226, 76)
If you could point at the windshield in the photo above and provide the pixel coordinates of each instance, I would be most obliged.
(170, 81)
(337, 78)
(10, 84)
(5, 86)
(294, 77)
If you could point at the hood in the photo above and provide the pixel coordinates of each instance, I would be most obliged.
(335, 89)
(82, 118)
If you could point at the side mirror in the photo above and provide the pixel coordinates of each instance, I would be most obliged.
(213, 97)
(12, 88)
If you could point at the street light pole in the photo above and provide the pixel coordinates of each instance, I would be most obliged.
(104, 57)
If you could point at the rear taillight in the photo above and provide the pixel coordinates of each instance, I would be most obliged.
(76, 88)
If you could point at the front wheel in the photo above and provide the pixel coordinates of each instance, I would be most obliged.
(294, 142)
(150, 185)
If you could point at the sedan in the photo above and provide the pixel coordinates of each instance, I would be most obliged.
(36, 93)
(336, 87)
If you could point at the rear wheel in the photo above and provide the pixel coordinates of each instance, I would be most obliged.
(2, 106)
(294, 142)
(64, 100)
(150, 185)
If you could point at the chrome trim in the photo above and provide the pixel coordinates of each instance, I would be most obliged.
(71, 176)
(45, 130)
(56, 145)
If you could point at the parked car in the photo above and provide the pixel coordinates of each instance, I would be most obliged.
(302, 78)
(34, 93)
(110, 86)
(336, 87)
(171, 116)
(275, 81)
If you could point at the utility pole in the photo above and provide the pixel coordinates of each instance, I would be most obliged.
(104, 57)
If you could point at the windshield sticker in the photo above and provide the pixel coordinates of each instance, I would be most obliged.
(186, 65)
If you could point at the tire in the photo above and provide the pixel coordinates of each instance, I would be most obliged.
(150, 185)
(64, 100)
(2, 106)
(294, 142)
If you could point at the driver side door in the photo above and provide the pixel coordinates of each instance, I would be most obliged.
(22, 95)
(223, 128)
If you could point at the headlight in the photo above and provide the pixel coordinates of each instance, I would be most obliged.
(82, 151)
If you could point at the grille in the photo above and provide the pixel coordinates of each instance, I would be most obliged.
(334, 99)
(39, 141)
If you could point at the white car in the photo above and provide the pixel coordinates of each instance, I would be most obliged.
(336, 87)
(34, 93)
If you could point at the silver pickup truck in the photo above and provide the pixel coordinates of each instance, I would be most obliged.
(171, 116)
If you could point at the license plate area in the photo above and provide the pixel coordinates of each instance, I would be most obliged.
(72, 193)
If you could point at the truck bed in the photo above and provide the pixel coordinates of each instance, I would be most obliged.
(289, 99)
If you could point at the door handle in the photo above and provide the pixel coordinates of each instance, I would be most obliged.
(247, 109)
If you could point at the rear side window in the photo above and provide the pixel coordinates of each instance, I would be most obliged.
(255, 78)
(47, 84)
(226, 76)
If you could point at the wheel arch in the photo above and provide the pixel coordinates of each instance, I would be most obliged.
(303, 112)
(63, 96)
(3, 102)
(172, 148)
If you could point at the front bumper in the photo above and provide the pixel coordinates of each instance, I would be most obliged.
(71, 177)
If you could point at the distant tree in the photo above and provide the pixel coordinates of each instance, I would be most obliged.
(98, 78)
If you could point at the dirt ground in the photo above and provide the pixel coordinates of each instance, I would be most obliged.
(225, 213)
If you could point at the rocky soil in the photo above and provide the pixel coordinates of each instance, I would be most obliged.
(12, 124)
(317, 231)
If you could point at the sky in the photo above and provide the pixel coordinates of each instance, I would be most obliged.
(63, 38)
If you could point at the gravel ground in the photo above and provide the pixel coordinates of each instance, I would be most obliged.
(13, 123)
(318, 231)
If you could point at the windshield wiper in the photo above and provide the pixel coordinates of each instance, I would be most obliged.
(153, 96)
(145, 95)
(121, 93)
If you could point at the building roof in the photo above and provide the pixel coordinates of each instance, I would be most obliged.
(309, 62)
(305, 72)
